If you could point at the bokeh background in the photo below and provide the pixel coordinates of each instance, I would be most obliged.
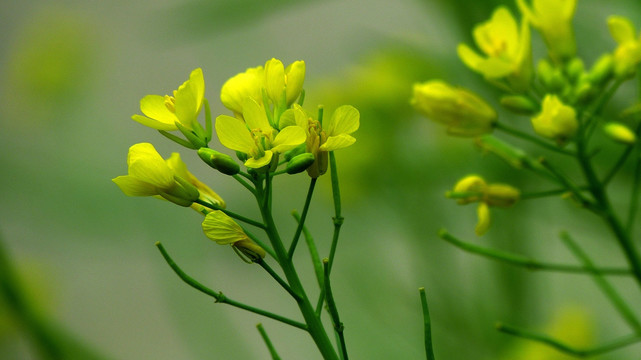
(72, 74)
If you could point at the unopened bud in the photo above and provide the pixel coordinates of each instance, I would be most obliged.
(300, 163)
(501, 195)
(290, 154)
(601, 70)
(469, 189)
(519, 104)
(620, 133)
(575, 69)
(219, 161)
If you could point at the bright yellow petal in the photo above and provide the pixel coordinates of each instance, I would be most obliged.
(345, 120)
(469, 57)
(337, 142)
(147, 165)
(295, 116)
(241, 86)
(255, 116)
(260, 162)
(495, 68)
(295, 75)
(622, 29)
(153, 123)
(132, 186)
(288, 138)
(233, 134)
(274, 79)
(153, 106)
(189, 97)
(222, 229)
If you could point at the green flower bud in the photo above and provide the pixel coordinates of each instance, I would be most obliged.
(219, 161)
(300, 163)
(620, 133)
(601, 70)
(575, 69)
(519, 104)
(290, 154)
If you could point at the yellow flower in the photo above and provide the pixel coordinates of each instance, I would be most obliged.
(150, 175)
(248, 84)
(553, 19)
(556, 121)
(279, 80)
(473, 188)
(628, 54)
(462, 112)
(255, 136)
(506, 48)
(179, 168)
(344, 121)
(225, 231)
(163, 112)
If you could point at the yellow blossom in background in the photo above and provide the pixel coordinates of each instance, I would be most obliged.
(461, 111)
(506, 50)
(280, 80)
(344, 121)
(183, 107)
(473, 188)
(556, 121)
(255, 136)
(248, 84)
(627, 55)
(620, 133)
(150, 175)
(553, 19)
(222, 229)
(179, 168)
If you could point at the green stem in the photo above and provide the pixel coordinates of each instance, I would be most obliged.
(532, 139)
(542, 194)
(636, 182)
(301, 221)
(208, 127)
(338, 218)
(427, 326)
(219, 296)
(616, 300)
(333, 310)
(231, 214)
(617, 166)
(525, 262)
(545, 339)
(245, 184)
(576, 190)
(275, 276)
(260, 243)
(268, 343)
(313, 252)
(314, 325)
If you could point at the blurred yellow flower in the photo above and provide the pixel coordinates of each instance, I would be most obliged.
(183, 107)
(150, 175)
(553, 19)
(556, 121)
(225, 231)
(628, 54)
(461, 111)
(255, 136)
(507, 50)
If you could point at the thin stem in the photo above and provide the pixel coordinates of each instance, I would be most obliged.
(525, 262)
(231, 214)
(427, 326)
(333, 310)
(301, 221)
(542, 194)
(219, 296)
(313, 252)
(636, 180)
(268, 343)
(545, 339)
(617, 166)
(533, 139)
(338, 218)
(245, 184)
(576, 190)
(616, 300)
(275, 276)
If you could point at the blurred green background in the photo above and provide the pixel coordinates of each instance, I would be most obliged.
(73, 73)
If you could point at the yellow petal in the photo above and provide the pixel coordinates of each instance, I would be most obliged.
(295, 76)
(233, 134)
(255, 116)
(153, 123)
(132, 186)
(469, 57)
(345, 120)
(176, 164)
(241, 86)
(222, 229)
(189, 98)
(153, 106)
(147, 165)
(622, 29)
(288, 138)
(260, 162)
(274, 79)
(495, 67)
(295, 116)
(337, 142)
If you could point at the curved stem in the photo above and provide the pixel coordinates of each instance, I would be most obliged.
(427, 326)
(219, 296)
(333, 311)
(532, 139)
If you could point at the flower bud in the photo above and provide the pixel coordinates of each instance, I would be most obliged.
(462, 112)
(290, 154)
(519, 104)
(620, 133)
(470, 189)
(556, 121)
(300, 163)
(501, 195)
(575, 69)
(219, 161)
(601, 70)
(553, 19)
